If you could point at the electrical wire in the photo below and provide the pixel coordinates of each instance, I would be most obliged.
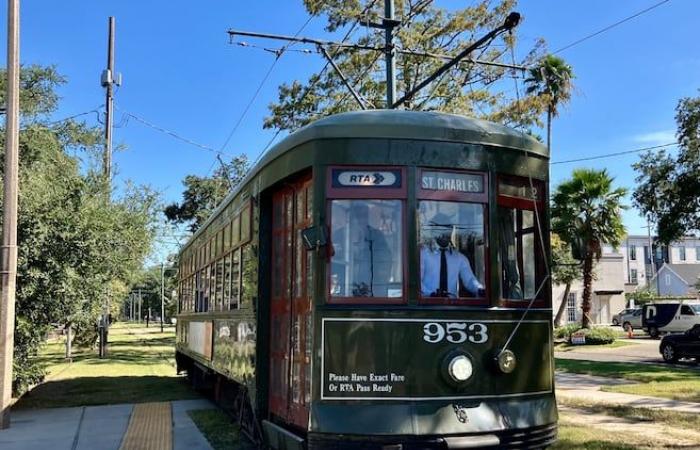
(262, 83)
(171, 133)
(610, 155)
(603, 30)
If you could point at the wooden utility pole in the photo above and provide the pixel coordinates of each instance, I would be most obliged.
(9, 214)
(389, 23)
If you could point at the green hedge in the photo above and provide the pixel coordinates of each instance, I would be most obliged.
(594, 336)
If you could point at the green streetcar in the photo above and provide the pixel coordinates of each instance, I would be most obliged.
(379, 281)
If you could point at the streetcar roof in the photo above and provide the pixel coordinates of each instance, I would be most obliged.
(391, 124)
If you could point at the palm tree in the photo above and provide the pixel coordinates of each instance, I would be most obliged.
(587, 212)
(551, 80)
(565, 270)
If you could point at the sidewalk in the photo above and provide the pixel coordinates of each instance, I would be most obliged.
(154, 426)
(587, 387)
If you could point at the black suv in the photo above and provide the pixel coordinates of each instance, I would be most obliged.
(686, 345)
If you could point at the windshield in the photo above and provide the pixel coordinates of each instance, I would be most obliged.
(367, 243)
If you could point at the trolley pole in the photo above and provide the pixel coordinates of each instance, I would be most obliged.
(9, 224)
(162, 295)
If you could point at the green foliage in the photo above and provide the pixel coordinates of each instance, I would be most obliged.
(565, 331)
(641, 296)
(565, 269)
(469, 89)
(587, 212)
(76, 249)
(668, 187)
(551, 80)
(599, 335)
(203, 194)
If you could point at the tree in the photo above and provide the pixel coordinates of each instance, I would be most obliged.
(565, 270)
(203, 194)
(550, 80)
(469, 89)
(586, 213)
(75, 250)
(668, 187)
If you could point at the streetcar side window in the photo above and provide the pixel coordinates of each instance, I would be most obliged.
(520, 202)
(367, 248)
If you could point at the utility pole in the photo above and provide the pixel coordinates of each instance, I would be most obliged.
(9, 223)
(108, 80)
(389, 23)
(162, 295)
(651, 259)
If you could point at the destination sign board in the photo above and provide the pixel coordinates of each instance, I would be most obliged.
(519, 190)
(452, 182)
(366, 178)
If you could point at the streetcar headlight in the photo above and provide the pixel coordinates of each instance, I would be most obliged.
(460, 368)
(506, 361)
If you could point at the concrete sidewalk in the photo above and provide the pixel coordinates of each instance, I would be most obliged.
(587, 387)
(98, 427)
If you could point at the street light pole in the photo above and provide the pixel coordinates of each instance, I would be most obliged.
(8, 271)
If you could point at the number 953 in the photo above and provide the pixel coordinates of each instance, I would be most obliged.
(455, 332)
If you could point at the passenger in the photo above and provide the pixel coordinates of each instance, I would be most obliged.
(442, 265)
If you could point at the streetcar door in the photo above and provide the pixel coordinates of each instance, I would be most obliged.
(290, 310)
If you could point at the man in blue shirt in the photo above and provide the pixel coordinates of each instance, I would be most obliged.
(442, 266)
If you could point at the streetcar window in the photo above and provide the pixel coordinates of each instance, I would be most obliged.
(367, 243)
(520, 246)
(452, 249)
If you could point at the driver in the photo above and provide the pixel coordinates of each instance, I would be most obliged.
(442, 266)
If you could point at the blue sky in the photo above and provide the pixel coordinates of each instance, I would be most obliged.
(180, 73)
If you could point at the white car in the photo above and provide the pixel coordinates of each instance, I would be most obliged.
(632, 320)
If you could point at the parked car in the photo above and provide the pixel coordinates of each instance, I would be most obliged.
(686, 345)
(616, 318)
(670, 317)
(632, 319)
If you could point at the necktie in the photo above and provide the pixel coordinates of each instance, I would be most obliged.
(443, 272)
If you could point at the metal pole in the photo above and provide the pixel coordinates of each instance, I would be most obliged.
(389, 24)
(162, 295)
(651, 257)
(9, 224)
(108, 83)
(140, 306)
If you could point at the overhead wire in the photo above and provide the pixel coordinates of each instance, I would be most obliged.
(610, 155)
(609, 27)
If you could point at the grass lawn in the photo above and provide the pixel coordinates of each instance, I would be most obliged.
(140, 367)
(219, 430)
(670, 418)
(650, 379)
(580, 437)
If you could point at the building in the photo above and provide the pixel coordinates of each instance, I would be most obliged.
(677, 279)
(608, 292)
(631, 267)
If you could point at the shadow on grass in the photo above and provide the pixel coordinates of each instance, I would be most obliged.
(631, 371)
(87, 391)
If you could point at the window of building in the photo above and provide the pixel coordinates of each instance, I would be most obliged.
(697, 253)
(633, 276)
(571, 307)
(520, 247)
(667, 279)
(647, 255)
(633, 252)
(681, 253)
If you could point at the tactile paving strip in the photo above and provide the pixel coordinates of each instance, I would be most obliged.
(150, 428)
